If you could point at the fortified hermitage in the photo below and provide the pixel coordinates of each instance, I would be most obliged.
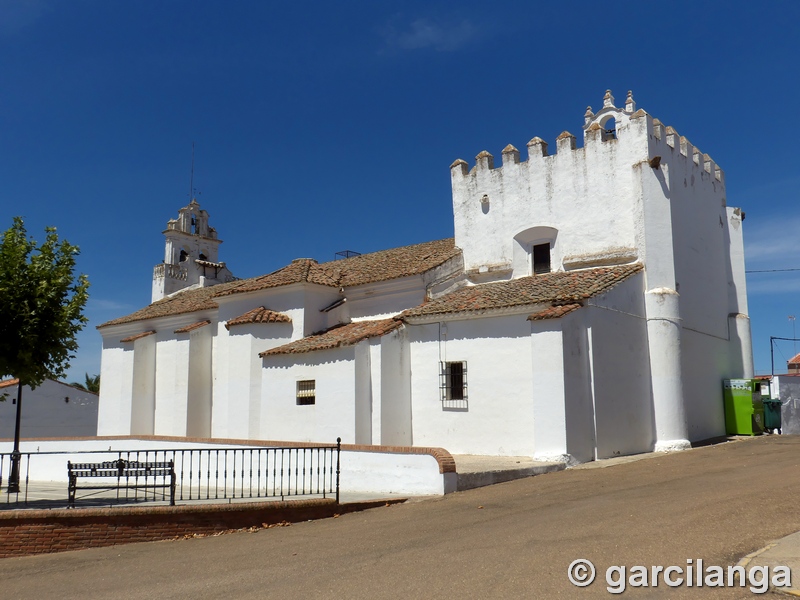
(589, 306)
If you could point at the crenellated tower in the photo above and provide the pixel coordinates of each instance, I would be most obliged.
(636, 191)
(190, 254)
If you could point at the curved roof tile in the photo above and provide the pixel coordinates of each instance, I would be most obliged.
(258, 315)
(557, 288)
(336, 337)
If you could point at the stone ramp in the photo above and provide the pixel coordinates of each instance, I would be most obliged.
(477, 470)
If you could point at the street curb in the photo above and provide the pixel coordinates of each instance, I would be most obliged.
(472, 480)
(746, 560)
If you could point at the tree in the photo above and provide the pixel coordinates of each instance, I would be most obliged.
(92, 384)
(41, 312)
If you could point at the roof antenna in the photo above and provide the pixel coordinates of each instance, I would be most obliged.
(191, 177)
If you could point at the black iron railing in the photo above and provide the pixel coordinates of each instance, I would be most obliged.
(202, 474)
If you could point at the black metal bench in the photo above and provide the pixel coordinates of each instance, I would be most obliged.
(129, 474)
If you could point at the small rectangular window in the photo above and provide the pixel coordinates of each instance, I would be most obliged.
(541, 258)
(307, 392)
(453, 381)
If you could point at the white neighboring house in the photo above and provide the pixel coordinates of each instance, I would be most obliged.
(589, 306)
(53, 409)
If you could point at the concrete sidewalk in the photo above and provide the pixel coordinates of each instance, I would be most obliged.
(477, 471)
(783, 552)
(50, 495)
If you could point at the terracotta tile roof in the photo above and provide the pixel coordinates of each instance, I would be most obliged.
(187, 301)
(192, 327)
(138, 336)
(357, 270)
(258, 315)
(299, 270)
(554, 312)
(556, 288)
(336, 337)
(394, 263)
(795, 360)
(8, 383)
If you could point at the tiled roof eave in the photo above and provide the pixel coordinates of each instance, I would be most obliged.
(556, 311)
(320, 341)
(137, 336)
(235, 295)
(258, 316)
(556, 288)
(483, 313)
(193, 326)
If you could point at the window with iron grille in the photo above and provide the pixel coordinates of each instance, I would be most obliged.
(307, 392)
(453, 384)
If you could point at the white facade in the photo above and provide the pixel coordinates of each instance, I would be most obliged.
(588, 307)
(53, 409)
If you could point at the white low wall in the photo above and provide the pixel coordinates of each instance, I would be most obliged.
(362, 471)
(382, 473)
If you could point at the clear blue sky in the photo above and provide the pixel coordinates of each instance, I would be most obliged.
(328, 126)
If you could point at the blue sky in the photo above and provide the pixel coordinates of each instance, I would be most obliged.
(327, 126)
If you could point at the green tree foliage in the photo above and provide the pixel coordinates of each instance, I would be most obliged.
(92, 384)
(41, 305)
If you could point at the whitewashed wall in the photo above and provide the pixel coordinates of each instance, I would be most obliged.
(375, 390)
(116, 375)
(362, 472)
(332, 416)
(586, 194)
(499, 419)
(143, 397)
(171, 383)
(396, 424)
(704, 366)
(708, 260)
(578, 394)
(198, 418)
(53, 409)
(363, 398)
(237, 366)
(621, 371)
(385, 298)
(379, 473)
(548, 398)
(699, 223)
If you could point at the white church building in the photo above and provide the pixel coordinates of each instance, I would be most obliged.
(589, 306)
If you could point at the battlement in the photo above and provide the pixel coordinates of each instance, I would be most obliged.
(610, 125)
(687, 150)
(579, 201)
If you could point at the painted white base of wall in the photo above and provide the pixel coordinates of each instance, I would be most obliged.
(567, 459)
(362, 472)
(379, 473)
(672, 446)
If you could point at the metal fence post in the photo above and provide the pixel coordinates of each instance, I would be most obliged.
(338, 452)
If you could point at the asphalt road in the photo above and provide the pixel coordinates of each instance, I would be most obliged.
(513, 540)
